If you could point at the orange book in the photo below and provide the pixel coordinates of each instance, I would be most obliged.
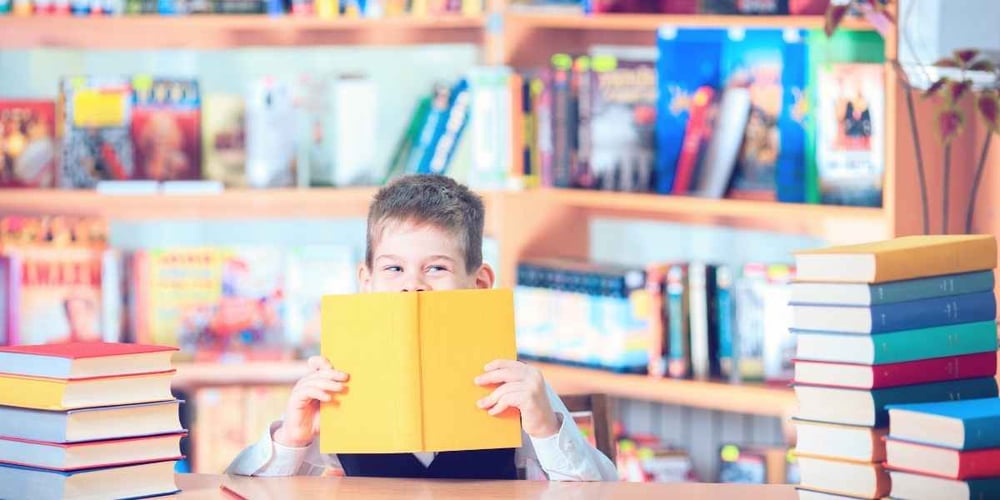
(907, 257)
(412, 359)
(41, 393)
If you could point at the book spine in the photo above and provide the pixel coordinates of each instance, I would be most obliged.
(981, 432)
(925, 393)
(583, 176)
(698, 307)
(561, 120)
(927, 313)
(934, 370)
(937, 286)
(724, 321)
(679, 346)
(934, 260)
(927, 343)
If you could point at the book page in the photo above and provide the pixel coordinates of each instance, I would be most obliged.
(460, 332)
(372, 337)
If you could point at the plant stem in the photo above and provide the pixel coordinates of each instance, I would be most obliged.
(975, 183)
(920, 157)
(945, 185)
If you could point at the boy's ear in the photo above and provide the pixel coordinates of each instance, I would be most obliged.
(485, 277)
(364, 278)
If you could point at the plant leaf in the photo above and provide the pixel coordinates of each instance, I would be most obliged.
(966, 55)
(947, 62)
(989, 109)
(950, 121)
(936, 87)
(983, 65)
(834, 16)
(958, 89)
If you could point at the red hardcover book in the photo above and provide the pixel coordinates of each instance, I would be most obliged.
(92, 454)
(896, 374)
(942, 462)
(27, 144)
(84, 359)
(696, 136)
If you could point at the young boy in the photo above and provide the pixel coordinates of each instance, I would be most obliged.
(425, 233)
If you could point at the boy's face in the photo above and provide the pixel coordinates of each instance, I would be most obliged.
(410, 257)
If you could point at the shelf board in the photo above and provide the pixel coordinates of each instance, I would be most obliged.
(230, 204)
(230, 31)
(651, 22)
(839, 224)
(753, 399)
(746, 399)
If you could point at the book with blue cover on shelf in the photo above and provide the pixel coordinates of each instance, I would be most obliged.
(133, 481)
(865, 294)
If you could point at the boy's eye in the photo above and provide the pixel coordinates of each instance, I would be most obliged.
(436, 268)
(393, 269)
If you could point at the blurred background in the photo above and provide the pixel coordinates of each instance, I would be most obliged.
(197, 172)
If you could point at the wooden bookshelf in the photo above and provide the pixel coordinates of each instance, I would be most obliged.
(747, 398)
(833, 223)
(230, 31)
(652, 22)
(230, 204)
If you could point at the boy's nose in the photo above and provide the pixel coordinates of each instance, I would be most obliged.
(415, 284)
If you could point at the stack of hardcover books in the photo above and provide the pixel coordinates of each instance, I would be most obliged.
(87, 420)
(908, 320)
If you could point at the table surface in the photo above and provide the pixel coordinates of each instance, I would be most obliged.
(203, 486)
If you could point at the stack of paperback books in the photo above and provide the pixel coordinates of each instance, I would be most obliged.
(908, 320)
(87, 420)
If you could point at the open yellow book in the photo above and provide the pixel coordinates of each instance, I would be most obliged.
(412, 358)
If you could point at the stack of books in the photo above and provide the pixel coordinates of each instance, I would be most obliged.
(87, 420)
(908, 320)
(945, 450)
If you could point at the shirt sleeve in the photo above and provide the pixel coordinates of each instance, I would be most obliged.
(566, 455)
(268, 458)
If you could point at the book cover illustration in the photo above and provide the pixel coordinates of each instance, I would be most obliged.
(623, 117)
(27, 143)
(224, 139)
(850, 128)
(217, 302)
(166, 121)
(95, 116)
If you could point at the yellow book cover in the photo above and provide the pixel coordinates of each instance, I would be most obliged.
(412, 359)
(906, 257)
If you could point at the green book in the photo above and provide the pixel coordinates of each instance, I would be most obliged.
(897, 347)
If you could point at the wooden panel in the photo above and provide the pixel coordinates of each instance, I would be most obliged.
(219, 32)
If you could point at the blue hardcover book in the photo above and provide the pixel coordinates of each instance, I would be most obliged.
(869, 407)
(423, 151)
(971, 424)
(689, 58)
(883, 318)
(451, 132)
(131, 481)
(865, 294)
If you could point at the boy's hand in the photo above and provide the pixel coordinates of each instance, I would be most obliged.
(301, 421)
(521, 387)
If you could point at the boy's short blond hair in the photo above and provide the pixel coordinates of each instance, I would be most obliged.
(430, 199)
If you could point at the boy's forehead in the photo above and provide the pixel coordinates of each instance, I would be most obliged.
(428, 232)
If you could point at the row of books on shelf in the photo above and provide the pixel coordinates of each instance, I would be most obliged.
(790, 115)
(666, 319)
(88, 421)
(895, 370)
(774, 114)
(724, 7)
(324, 9)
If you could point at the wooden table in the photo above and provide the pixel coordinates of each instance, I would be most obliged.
(202, 486)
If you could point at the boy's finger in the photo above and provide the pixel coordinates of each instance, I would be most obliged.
(498, 394)
(501, 363)
(318, 362)
(315, 393)
(500, 407)
(327, 385)
(331, 374)
(499, 377)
